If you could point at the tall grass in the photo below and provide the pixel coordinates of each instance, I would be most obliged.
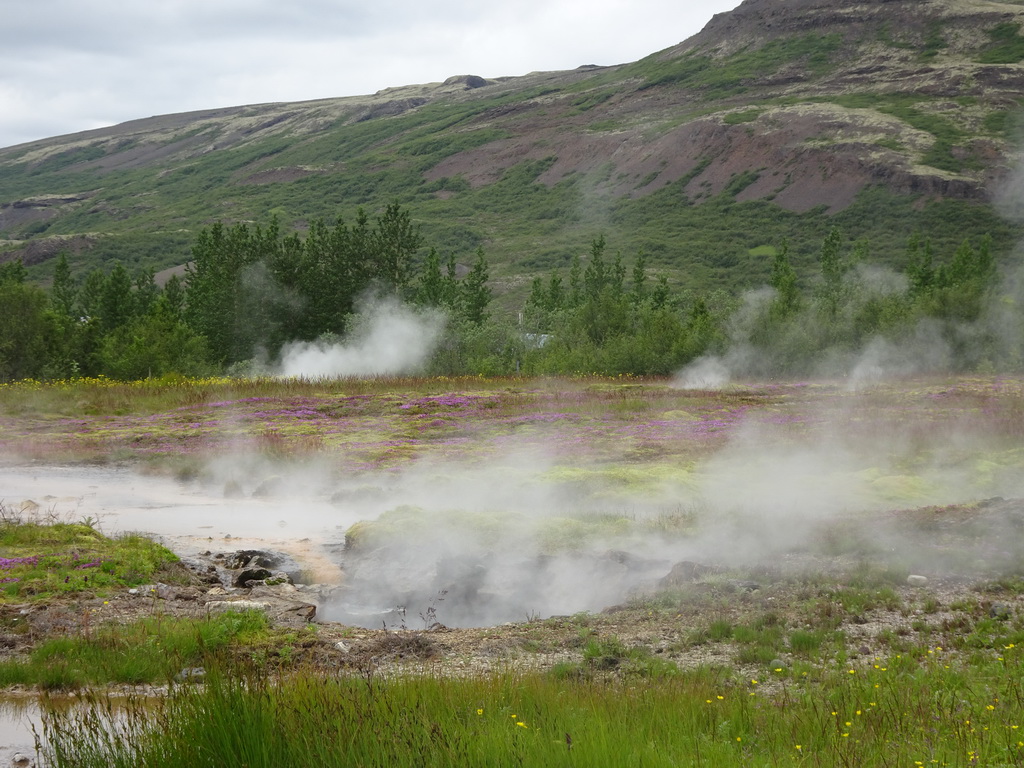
(40, 559)
(152, 650)
(899, 711)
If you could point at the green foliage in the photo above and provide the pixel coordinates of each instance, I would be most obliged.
(739, 182)
(898, 710)
(908, 107)
(41, 560)
(1006, 45)
(733, 74)
(934, 42)
(743, 116)
(152, 650)
(23, 329)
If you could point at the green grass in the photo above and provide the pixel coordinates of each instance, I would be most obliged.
(910, 108)
(926, 709)
(732, 75)
(40, 560)
(152, 650)
(743, 116)
(1006, 45)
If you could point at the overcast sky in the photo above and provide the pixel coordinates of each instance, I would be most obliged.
(71, 65)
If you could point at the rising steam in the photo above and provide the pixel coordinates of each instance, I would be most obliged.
(387, 338)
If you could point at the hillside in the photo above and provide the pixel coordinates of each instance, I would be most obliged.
(779, 119)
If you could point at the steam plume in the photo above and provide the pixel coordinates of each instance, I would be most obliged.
(387, 338)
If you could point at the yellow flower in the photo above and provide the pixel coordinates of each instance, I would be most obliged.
(521, 725)
(479, 711)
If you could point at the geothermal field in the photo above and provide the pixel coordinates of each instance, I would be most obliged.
(582, 571)
(493, 501)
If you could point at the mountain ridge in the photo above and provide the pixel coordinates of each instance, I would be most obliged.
(781, 115)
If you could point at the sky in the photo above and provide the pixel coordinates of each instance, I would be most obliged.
(72, 65)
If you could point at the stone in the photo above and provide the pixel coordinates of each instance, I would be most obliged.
(684, 572)
(190, 675)
(1000, 611)
(251, 574)
(220, 606)
(917, 581)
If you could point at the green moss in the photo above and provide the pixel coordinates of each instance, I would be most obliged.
(744, 116)
(41, 560)
(1006, 45)
(733, 74)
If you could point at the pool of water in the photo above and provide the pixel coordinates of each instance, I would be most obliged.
(186, 516)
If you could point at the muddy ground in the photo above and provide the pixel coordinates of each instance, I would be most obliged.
(669, 617)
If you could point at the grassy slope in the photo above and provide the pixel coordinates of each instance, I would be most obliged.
(527, 227)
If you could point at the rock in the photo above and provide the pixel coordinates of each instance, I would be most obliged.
(684, 572)
(303, 611)
(746, 586)
(165, 592)
(917, 581)
(252, 558)
(220, 606)
(272, 486)
(1000, 611)
(251, 574)
(342, 646)
(263, 591)
(778, 664)
(283, 611)
(266, 559)
(20, 760)
(190, 675)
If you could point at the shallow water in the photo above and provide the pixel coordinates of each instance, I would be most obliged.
(18, 717)
(186, 516)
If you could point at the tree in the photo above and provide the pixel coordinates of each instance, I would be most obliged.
(23, 330)
(431, 289)
(154, 345)
(476, 294)
(595, 277)
(64, 293)
(639, 292)
(395, 242)
(920, 269)
(575, 282)
(116, 303)
(784, 281)
(13, 272)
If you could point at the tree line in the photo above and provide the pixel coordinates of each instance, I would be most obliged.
(250, 289)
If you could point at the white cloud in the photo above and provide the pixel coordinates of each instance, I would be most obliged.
(67, 65)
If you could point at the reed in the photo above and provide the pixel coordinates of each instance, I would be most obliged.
(929, 710)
